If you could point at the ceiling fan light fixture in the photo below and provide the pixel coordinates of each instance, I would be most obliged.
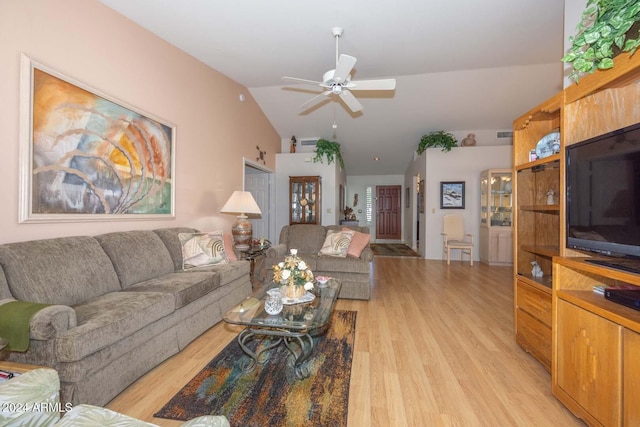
(338, 81)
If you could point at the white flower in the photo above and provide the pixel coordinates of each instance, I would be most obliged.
(285, 274)
(302, 265)
(281, 264)
(294, 252)
(308, 286)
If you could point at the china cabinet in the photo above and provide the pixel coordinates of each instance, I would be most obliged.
(305, 200)
(496, 236)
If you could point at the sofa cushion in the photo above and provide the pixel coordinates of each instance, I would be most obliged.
(202, 249)
(358, 243)
(226, 272)
(66, 270)
(328, 264)
(336, 243)
(185, 288)
(109, 318)
(306, 238)
(136, 255)
(169, 237)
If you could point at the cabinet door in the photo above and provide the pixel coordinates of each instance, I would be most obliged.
(631, 384)
(589, 352)
(305, 201)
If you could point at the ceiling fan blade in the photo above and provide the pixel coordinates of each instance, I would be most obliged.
(382, 84)
(351, 101)
(313, 100)
(344, 67)
(297, 80)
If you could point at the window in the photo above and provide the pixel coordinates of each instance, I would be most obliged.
(369, 209)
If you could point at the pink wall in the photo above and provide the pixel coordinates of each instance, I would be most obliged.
(89, 42)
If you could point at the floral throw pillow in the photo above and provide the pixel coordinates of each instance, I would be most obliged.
(202, 249)
(337, 243)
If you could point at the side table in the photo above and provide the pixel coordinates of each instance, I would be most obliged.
(255, 252)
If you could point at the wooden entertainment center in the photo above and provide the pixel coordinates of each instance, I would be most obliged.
(590, 345)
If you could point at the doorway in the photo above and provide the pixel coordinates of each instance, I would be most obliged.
(258, 180)
(388, 212)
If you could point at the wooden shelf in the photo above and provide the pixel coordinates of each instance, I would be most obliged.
(543, 283)
(541, 208)
(598, 304)
(540, 163)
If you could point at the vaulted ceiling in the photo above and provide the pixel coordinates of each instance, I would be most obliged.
(460, 65)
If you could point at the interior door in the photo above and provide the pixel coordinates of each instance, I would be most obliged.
(388, 212)
(257, 182)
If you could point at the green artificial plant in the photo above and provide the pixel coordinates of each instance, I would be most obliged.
(330, 150)
(437, 139)
(604, 31)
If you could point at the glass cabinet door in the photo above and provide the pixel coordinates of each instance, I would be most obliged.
(484, 197)
(304, 199)
(500, 199)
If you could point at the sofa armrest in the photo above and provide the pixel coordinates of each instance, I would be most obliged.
(278, 251)
(367, 254)
(52, 321)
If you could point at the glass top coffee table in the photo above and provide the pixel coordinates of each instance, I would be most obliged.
(295, 325)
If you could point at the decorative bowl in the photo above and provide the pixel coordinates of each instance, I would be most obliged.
(323, 279)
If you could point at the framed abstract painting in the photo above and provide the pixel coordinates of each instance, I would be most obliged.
(85, 156)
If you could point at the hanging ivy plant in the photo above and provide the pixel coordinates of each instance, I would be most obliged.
(330, 150)
(604, 31)
(437, 139)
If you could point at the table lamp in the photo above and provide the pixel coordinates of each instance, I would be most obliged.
(241, 202)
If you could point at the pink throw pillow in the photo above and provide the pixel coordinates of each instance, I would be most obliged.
(359, 241)
(228, 247)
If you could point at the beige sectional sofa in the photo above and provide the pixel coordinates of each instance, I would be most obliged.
(354, 273)
(120, 305)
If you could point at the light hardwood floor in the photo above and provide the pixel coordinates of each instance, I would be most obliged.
(434, 347)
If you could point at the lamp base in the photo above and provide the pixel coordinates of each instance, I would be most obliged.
(242, 232)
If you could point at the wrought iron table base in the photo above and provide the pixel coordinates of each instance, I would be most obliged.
(304, 340)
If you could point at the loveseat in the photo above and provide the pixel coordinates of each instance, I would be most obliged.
(308, 239)
(121, 304)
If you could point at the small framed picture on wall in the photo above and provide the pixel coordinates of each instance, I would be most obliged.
(452, 195)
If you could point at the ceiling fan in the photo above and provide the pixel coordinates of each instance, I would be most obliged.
(338, 81)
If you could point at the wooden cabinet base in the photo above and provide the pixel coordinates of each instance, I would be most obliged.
(534, 337)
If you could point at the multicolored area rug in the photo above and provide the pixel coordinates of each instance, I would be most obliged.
(393, 249)
(271, 395)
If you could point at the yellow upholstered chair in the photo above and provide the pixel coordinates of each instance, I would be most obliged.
(453, 237)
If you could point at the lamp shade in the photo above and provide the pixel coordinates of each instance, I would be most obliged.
(241, 202)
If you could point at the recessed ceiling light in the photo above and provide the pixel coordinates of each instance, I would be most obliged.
(376, 158)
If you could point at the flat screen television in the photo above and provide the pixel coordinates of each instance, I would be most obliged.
(603, 194)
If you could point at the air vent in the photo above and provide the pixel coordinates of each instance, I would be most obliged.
(308, 142)
(504, 134)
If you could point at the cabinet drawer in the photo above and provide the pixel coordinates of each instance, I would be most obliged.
(534, 337)
(534, 302)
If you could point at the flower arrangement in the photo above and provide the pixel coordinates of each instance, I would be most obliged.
(293, 275)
